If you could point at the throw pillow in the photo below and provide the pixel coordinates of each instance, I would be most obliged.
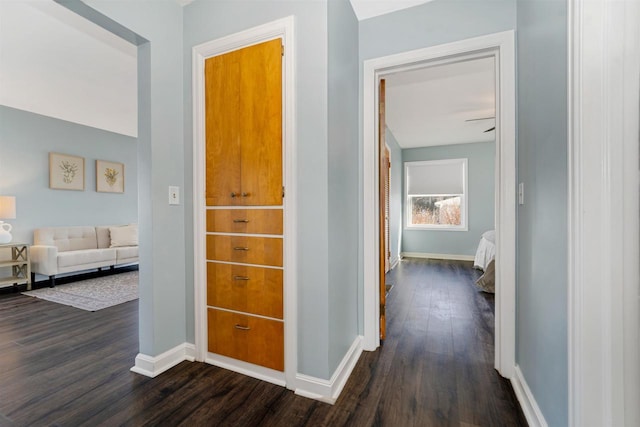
(124, 236)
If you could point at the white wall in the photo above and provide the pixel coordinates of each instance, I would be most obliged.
(56, 63)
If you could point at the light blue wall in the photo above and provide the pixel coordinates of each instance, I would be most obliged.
(542, 221)
(208, 20)
(343, 179)
(433, 23)
(26, 139)
(160, 164)
(395, 195)
(481, 199)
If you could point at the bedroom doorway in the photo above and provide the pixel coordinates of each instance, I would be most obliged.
(500, 47)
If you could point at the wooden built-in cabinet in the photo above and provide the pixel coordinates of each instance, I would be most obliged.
(244, 205)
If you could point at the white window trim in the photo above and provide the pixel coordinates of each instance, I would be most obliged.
(464, 204)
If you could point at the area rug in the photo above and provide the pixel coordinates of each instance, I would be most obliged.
(93, 294)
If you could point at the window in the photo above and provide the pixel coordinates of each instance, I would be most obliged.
(436, 194)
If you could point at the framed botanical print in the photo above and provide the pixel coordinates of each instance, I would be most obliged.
(66, 172)
(109, 177)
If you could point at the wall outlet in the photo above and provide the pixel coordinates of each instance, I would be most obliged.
(174, 195)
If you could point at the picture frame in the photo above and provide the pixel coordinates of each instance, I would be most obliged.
(109, 177)
(66, 172)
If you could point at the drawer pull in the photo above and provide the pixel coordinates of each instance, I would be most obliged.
(240, 278)
(246, 194)
(242, 328)
(241, 220)
(234, 195)
(240, 248)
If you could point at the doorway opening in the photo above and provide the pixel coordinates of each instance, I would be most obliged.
(500, 47)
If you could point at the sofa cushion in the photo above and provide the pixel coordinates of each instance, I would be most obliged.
(103, 236)
(66, 238)
(124, 236)
(126, 253)
(86, 256)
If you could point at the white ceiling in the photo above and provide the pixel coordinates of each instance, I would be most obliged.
(369, 8)
(430, 106)
(55, 63)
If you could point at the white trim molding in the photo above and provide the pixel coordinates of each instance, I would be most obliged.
(328, 391)
(500, 46)
(283, 29)
(428, 255)
(528, 403)
(603, 294)
(244, 368)
(152, 366)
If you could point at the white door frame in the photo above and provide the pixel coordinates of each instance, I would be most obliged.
(501, 46)
(603, 299)
(284, 29)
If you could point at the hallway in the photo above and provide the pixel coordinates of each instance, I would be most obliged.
(64, 366)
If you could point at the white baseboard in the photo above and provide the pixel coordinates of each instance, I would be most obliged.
(528, 403)
(328, 391)
(152, 366)
(438, 256)
(248, 369)
(394, 262)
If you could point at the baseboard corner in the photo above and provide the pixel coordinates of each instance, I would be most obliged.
(527, 401)
(152, 366)
(328, 391)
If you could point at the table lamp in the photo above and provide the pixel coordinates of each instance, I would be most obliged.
(7, 211)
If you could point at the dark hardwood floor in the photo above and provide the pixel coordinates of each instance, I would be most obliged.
(62, 366)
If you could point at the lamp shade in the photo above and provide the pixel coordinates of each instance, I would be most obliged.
(7, 207)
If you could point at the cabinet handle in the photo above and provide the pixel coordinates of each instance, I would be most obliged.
(242, 328)
(241, 220)
(239, 248)
(240, 278)
(233, 195)
(246, 194)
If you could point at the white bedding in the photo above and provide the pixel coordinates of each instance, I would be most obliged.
(486, 250)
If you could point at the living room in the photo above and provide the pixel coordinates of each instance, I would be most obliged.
(59, 106)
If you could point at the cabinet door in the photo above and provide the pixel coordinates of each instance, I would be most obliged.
(222, 101)
(261, 127)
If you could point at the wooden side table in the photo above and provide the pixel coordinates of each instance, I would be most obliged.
(20, 264)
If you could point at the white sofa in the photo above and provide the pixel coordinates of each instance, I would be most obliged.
(58, 250)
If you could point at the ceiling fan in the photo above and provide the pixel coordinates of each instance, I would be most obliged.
(483, 118)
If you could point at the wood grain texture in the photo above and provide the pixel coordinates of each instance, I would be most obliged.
(67, 367)
(251, 290)
(222, 118)
(243, 95)
(261, 127)
(250, 221)
(245, 249)
(252, 339)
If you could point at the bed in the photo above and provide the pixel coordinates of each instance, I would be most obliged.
(485, 261)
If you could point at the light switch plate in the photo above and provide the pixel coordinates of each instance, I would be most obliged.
(174, 195)
(521, 193)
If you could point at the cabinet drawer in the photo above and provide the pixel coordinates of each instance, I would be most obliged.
(246, 250)
(251, 221)
(252, 339)
(252, 290)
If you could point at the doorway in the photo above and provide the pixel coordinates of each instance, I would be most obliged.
(500, 46)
